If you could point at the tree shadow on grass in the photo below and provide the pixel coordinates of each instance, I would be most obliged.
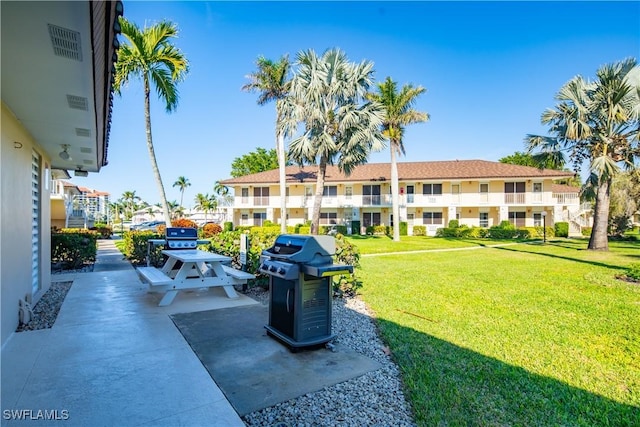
(596, 263)
(451, 385)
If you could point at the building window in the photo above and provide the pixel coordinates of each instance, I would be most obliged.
(537, 219)
(348, 193)
(261, 196)
(328, 218)
(517, 218)
(430, 218)
(244, 195)
(370, 218)
(244, 219)
(432, 189)
(330, 191)
(259, 218)
(484, 219)
(371, 194)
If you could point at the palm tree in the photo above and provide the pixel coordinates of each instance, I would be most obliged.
(206, 203)
(597, 121)
(129, 199)
(150, 55)
(328, 95)
(224, 198)
(399, 113)
(271, 80)
(182, 183)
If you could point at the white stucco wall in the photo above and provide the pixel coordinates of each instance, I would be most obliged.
(15, 221)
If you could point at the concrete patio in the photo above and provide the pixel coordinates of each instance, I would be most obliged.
(114, 357)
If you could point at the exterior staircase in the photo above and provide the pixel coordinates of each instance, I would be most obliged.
(579, 219)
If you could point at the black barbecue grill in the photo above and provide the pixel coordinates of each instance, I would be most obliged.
(300, 269)
(181, 238)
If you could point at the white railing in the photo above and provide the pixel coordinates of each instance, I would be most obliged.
(415, 200)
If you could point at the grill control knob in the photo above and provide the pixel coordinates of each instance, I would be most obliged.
(272, 268)
(263, 267)
(281, 270)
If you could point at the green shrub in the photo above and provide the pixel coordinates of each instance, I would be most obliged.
(561, 229)
(523, 233)
(586, 231)
(103, 231)
(404, 228)
(505, 230)
(381, 229)
(634, 271)
(454, 223)
(355, 227)
(73, 247)
(304, 230)
(346, 253)
(296, 228)
(268, 223)
(228, 226)
(291, 229)
(478, 233)
(135, 247)
(419, 230)
(460, 231)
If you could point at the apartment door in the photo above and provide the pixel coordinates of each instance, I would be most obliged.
(537, 192)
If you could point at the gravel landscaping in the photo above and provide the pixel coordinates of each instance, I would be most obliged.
(46, 309)
(373, 399)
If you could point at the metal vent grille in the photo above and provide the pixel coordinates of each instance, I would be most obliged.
(83, 132)
(87, 162)
(85, 150)
(78, 102)
(66, 42)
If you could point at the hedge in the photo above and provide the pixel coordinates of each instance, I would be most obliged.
(73, 248)
(562, 229)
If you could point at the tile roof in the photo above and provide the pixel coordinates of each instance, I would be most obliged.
(407, 171)
(562, 188)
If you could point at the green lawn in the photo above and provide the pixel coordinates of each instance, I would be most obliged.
(526, 334)
(384, 244)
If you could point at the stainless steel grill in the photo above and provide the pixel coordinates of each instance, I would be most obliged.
(300, 269)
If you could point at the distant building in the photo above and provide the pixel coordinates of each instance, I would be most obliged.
(475, 192)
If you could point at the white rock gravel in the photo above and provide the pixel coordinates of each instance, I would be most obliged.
(373, 399)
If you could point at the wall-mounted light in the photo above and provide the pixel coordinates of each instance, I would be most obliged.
(64, 154)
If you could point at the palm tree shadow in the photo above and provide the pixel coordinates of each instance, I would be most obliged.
(463, 387)
(596, 263)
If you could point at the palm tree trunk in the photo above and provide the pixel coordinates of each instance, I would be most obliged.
(317, 201)
(283, 183)
(598, 240)
(152, 154)
(394, 193)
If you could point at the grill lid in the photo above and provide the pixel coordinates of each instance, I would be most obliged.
(300, 248)
(181, 233)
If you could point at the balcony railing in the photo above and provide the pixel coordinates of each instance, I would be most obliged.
(515, 198)
(414, 200)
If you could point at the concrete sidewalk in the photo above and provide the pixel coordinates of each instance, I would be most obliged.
(113, 357)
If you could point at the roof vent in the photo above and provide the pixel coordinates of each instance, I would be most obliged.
(78, 102)
(83, 132)
(66, 42)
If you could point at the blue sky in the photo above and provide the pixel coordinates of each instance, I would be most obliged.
(490, 70)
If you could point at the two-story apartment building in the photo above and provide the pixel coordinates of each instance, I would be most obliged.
(476, 192)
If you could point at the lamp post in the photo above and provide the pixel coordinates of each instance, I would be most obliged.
(544, 227)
